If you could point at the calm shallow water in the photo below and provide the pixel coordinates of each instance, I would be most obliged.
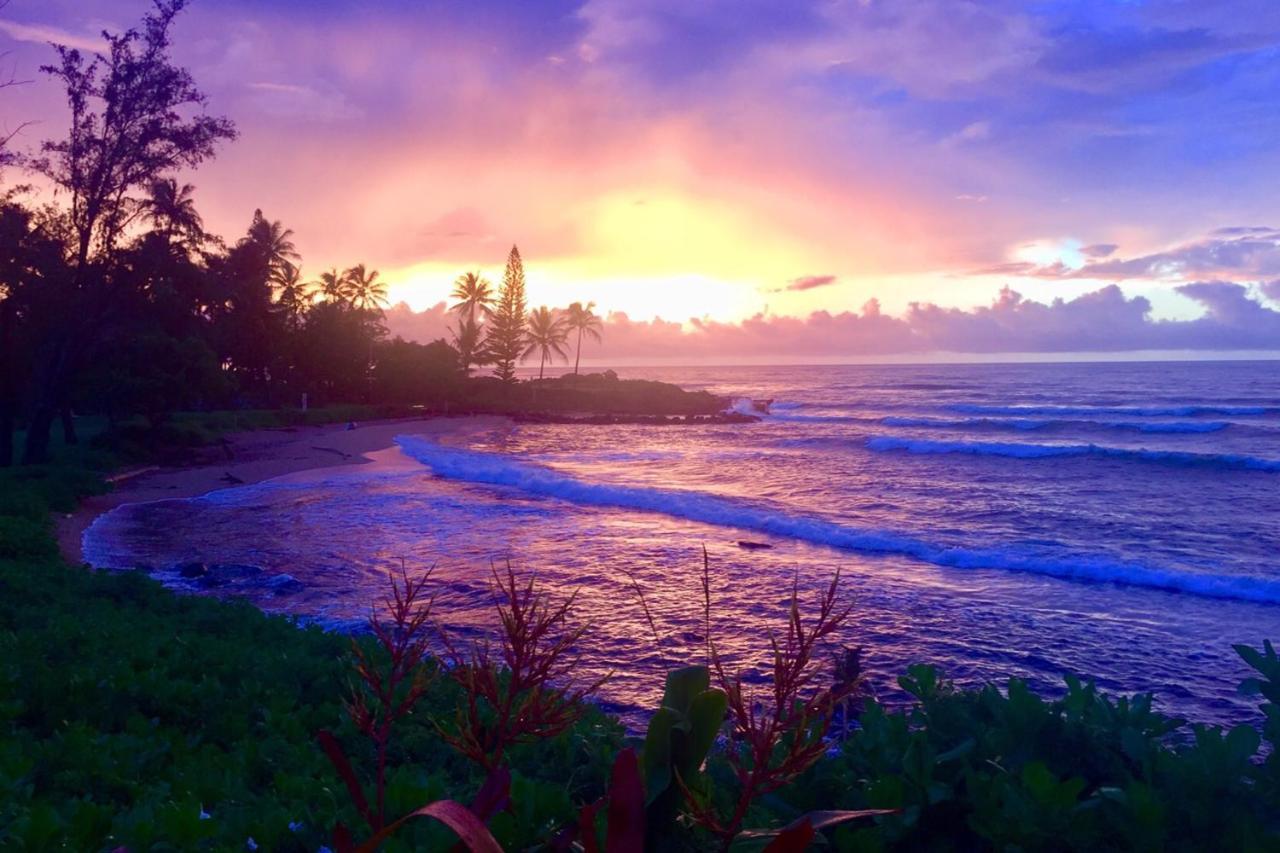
(1114, 521)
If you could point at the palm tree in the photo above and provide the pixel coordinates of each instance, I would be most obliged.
(474, 295)
(547, 336)
(275, 241)
(172, 210)
(467, 340)
(332, 286)
(363, 290)
(293, 294)
(584, 322)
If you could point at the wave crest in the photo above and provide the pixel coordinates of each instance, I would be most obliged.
(884, 443)
(1026, 424)
(498, 470)
(1186, 411)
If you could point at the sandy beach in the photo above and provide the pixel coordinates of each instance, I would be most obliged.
(254, 456)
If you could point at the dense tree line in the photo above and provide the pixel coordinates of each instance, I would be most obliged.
(115, 299)
(498, 329)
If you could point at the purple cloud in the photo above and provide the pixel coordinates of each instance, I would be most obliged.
(422, 326)
(808, 282)
(1103, 320)
(1237, 252)
(1240, 251)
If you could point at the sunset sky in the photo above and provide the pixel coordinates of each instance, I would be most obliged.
(756, 161)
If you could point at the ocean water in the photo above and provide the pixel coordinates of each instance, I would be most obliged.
(1115, 521)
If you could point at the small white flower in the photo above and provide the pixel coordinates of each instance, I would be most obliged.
(324, 850)
(295, 826)
(204, 815)
(251, 844)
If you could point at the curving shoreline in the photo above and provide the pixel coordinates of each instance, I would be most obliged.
(256, 455)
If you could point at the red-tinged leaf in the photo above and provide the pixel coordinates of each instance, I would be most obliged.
(794, 839)
(338, 758)
(580, 836)
(587, 826)
(816, 821)
(626, 806)
(342, 840)
(493, 795)
(827, 819)
(454, 815)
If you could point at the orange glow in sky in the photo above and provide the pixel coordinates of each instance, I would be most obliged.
(833, 154)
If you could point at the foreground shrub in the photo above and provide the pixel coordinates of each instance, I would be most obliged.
(23, 538)
(991, 769)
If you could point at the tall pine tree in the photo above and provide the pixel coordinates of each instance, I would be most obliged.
(505, 341)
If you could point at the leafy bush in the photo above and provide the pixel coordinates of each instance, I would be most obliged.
(987, 769)
(22, 538)
(32, 491)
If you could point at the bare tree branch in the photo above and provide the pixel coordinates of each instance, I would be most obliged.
(9, 79)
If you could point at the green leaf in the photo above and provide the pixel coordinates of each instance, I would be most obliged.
(706, 716)
(1242, 742)
(684, 685)
(964, 748)
(656, 759)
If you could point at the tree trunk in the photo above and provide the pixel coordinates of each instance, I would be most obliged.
(541, 363)
(577, 352)
(36, 450)
(8, 390)
(68, 426)
(49, 381)
(6, 431)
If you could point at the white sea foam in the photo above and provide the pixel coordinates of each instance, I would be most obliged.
(1177, 411)
(884, 443)
(505, 471)
(1027, 424)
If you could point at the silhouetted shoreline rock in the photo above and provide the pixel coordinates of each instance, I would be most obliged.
(655, 420)
(591, 398)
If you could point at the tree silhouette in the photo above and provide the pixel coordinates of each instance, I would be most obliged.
(171, 209)
(272, 239)
(475, 301)
(135, 117)
(474, 295)
(585, 322)
(467, 341)
(6, 134)
(363, 290)
(547, 336)
(505, 338)
(332, 286)
(293, 293)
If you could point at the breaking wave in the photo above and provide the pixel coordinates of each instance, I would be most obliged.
(1187, 411)
(1039, 451)
(498, 470)
(1030, 424)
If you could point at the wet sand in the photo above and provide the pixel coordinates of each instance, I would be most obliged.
(254, 456)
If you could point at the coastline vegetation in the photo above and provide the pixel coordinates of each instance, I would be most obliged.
(115, 301)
